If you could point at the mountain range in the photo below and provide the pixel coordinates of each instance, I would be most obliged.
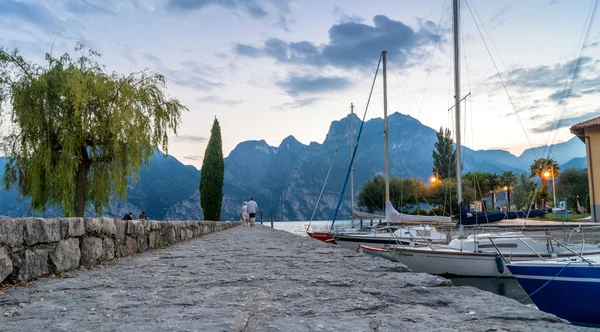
(286, 180)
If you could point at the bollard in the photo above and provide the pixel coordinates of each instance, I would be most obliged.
(371, 222)
(271, 219)
(361, 223)
(261, 217)
(241, 219)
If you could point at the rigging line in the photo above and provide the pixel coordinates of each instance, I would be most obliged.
(402, 90)
(500, 77)
(329, 171)
(337, 209)
(576, 68)
(506, 67)
(437, 37)
(589, 28)
(407, 89)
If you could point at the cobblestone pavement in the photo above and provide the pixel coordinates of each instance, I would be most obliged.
(260, 279)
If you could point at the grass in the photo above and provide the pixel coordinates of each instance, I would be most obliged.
(572, 217)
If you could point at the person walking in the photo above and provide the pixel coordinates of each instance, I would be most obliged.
(252, 209)
(245, 214)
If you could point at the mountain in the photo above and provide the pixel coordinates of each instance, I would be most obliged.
(286, 180)
(579, 163)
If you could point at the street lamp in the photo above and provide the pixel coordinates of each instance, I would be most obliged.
(547, 175)
(507, 190)
(433, 179)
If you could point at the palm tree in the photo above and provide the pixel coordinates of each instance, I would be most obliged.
(542, 165)
(492, 183)
(508, 179)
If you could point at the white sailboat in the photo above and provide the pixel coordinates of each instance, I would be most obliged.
(476, 255)
(392, 233)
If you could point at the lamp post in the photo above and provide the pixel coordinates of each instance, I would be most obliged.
(547, 175)
(507, 189)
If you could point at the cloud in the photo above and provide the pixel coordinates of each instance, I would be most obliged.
(351, 45)
(550, 125)
(296, 85)
(219, 100)
(277, 11)
(342, 17)
(560, 96)
(192, 157)
(190, 138)
(298, 103)
(85, 7)
(553, 76)
(193, 75)
(33, 13)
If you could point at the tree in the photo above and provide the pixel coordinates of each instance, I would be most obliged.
(79, 133)
(507, 180)
(372, 194)
(212, 176)
(542, 165)
(492, 184)
(444, 155)
(573, 184)
(522, 194)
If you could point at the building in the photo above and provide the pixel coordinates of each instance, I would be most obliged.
(589, 132)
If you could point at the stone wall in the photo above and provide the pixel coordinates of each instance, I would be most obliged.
(35, 247)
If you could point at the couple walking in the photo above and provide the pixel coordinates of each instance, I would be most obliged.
(249, 210)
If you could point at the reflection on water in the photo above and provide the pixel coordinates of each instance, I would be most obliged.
(503, 286)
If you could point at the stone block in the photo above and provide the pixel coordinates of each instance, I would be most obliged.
(91, 250)
(155, 225)
(64, 228)
(108, 226)
(76, 227)
(152, 243)
(135, 227)
(11, 231)
(6, 266)
(127, 248)
(66, 255)
(93, 226)
(33, 264)
(142, 243)
(108, 249)
(41, 231)
(121, 230)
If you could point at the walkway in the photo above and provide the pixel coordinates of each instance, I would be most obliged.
(259, 279)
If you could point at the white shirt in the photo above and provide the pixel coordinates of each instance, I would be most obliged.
(245, 209)
(252, 207)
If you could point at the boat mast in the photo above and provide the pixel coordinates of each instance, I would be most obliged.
(352, 168)
(456, 21)
(385, 132)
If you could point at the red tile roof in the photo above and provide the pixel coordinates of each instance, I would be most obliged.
(586, 124)
(578, 129)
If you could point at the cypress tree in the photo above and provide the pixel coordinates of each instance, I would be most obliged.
(444, 155)
(212, 176)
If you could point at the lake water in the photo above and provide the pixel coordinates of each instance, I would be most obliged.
(508, 287)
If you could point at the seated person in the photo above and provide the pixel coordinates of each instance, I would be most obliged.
(128, 216)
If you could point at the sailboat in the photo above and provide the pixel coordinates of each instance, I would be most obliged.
(393, 232)
(475, 255)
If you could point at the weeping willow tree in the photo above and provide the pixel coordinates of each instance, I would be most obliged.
(79, 133)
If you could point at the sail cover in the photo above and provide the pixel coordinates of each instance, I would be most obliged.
(365, 215)
(394, 216)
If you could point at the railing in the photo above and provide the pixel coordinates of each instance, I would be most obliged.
(547, 237)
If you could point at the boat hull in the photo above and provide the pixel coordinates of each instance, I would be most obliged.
(570, 293)
(352, 241)
(457, 263)
(322, 236)
(376, 251)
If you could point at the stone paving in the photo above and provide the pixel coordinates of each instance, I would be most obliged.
(260, 279)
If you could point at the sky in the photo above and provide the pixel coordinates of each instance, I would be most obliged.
(267, 69)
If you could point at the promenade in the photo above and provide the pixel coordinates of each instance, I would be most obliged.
(260, 279)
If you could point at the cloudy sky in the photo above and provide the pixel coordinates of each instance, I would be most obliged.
(272, 68)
